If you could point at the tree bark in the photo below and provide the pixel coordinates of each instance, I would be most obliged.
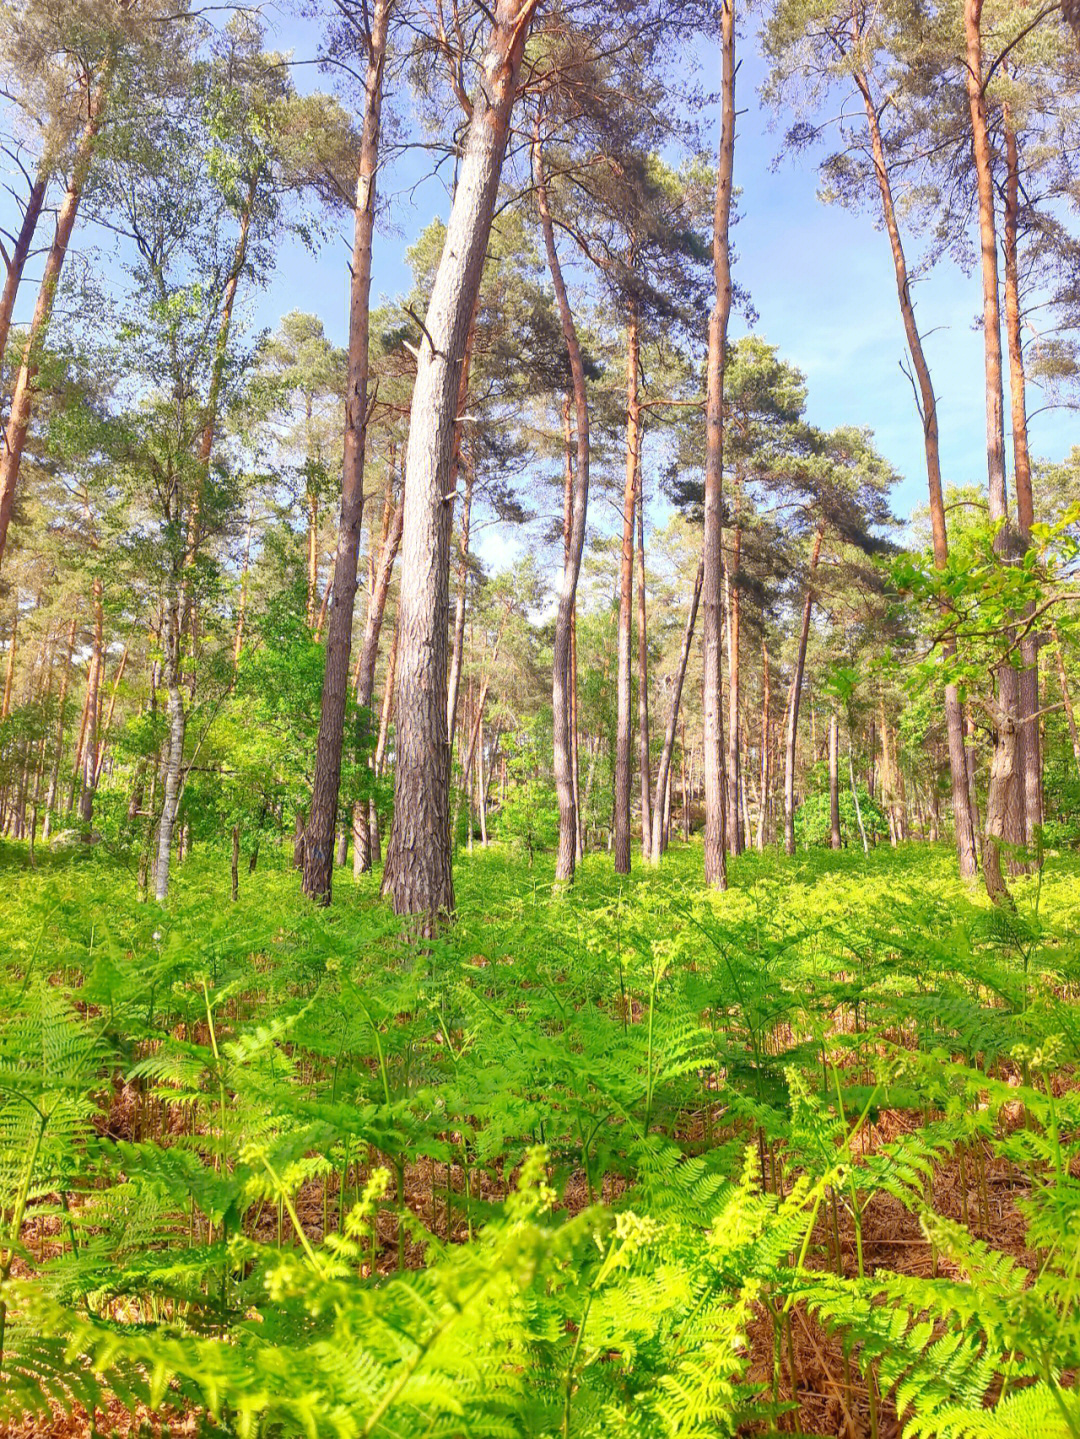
(954, 720)
(855, 798)
(322, 821)
(766, 695)
(663, 773)
(58, 753)
(644, 757)
(731, 587)
(564, 666)
(174, 755)
(623, 763)
(93, 738)
(796, 693)
(419, 866)
(1004, 807)
(21, 250)
(456, 654)
(9, 678)
(22, 399)
(834, 782)
(712, 537)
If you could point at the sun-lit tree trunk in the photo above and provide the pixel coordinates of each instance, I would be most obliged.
(663, 773)
(796, 694)
(1030, 750)
(9, 677)
(58, 749)
(1005, 797)
(855, 799)
(623, 682)
(174, 749)
(834, 782)
(712, 535)
(954, 720)
(419, 866)
(766, 779)
(106, 728)
(1066, 698)
(733, 608)
(453, 684)
(21, 249)
(322, 819)
(90, 751)
(564, 667)
(22, 399)
(644, 759)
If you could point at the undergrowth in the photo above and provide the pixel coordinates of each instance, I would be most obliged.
(588, 1163)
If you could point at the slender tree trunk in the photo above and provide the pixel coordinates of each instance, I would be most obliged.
(623, 762)
(22, 400)
(796, 693)
(58, 752)
(454, 681)
(663, 773)
(564, 658)
(1005, 799)
(106, 728)
(174, 758)
(575, 745)
(834, 782)
(644, 755)
(855, 798)
(419, 866)
(766, 695)
(731, 588)
(322, 821)
(234, 891)
(380, 753)
(954, 720)
(1066, 697)
(1030, 750)
(241, 610)
(9, 678)
(93, 736)
(21, 250)
(712, 537)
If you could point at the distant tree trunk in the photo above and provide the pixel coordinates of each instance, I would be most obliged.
(766, 695)
(1066, 697)
(663, 773)
(712, 536)
(575, 744)
(1029, 748)
(644, 756)
(970, 764)
(380, 753)
(1005, 799)
(796, 693)
(58, 751)
(90, 751)
(312, 556)
(457, 652)
(9, 678)
(174, 753)
(564, 659)
(623, 762)
(419, 867)
(22, 399)
(855, 798)
(322, 822)
(834, 782)
(235, 867)
(106, 727)
(21, 249)
(954, 720)
(731, 588)
(241, 610)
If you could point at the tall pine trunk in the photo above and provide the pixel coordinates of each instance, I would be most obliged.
(712, 537)
(174, 749)
(21, 250)
(456, 654)
(623, 764)
(796, 694)
(954, 719)
(322, 820)
(733, 607)
(419, 866)
(663, 773)
(644, 759)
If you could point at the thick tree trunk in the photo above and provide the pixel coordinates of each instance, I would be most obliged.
(322, 821)
(712, 537)
(1004, 810)
(174, 754)
(22, 399)
(731, 586)
(623, 762)
(419, 867)
(644, 756)
(834, 782)
(1029, 748)
(796, 693)
(954, 720)
(564, 659)
(663, 773)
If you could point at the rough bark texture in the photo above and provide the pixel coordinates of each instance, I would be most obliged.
(954, 720)
(419, 874)
(712, 538)
(322, 821)
(626, 597)
(563, 669)
(22, 399)
(1005, 799)
(663, 773)
(796, 694)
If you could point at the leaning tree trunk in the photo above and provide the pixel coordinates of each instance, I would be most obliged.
(21, 250)
(322, 820)
(419, 866)
(796, 694)
(623, 683)
(1029, 748)
(954, 719)
(1005, 800)
(712, 550)
(563, 677)
(663, 773)
(22, 399)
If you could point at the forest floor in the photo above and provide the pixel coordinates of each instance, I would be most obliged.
(857, 1045)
